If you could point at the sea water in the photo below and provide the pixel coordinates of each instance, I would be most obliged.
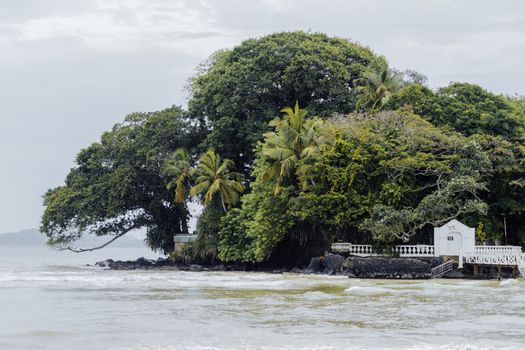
(52, 300)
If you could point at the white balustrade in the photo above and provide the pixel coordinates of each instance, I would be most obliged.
(495, 259)
(484, 255)
(418, 250)
(354, 249)
(497, 249)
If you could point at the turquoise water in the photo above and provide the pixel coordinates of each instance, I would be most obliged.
(51, 300)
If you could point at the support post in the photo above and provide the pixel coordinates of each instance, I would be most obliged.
(460, 262)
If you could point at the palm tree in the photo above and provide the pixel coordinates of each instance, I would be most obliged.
(377, 85)
(178, 166)
(293, 139)
(215, 181)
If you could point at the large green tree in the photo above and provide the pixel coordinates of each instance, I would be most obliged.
(238, 91)
(117, 186)
(497, 123)
(467, 108)
(374, 178)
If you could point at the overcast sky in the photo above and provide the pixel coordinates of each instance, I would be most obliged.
(71, 69)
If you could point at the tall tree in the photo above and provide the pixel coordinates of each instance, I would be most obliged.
(292, 140)
(178, 167)
(467, 108)
(117, 186)
(215, 180)
(377, 85)
(239, 91)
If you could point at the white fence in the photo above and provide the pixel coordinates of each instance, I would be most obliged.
(485, 255)
(415, 250)
(493, 259)
(354, 249)
(497, 250)
(419, 250)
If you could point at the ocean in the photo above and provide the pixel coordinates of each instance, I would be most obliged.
(52, 300)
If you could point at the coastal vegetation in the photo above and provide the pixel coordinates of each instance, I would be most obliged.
(296, 140)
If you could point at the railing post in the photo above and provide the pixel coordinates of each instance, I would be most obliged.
(460, 263)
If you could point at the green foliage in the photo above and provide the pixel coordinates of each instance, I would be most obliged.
(467, 108)
(293, 140)
(377, 85)
(377, 178)
(214, 180)
(208, 226)
(419, 99)
(117, 186)
(251, 232)
(239, 91)
(178, 167)
(481, 235)
(218, 187)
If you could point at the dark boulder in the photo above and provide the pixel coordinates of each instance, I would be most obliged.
(314, 266)
(333, 264)
(388, 267)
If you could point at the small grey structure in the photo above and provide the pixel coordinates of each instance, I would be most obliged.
(181, 240)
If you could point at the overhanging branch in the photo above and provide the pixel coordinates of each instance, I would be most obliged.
(82, 250)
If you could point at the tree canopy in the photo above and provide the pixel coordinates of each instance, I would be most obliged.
(333, 144)
(117, 184)
(467, 108)
(239, 91)
(374, 177)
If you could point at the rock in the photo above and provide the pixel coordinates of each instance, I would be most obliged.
(101, 264)
(456, 273)
(219, 267)
(314, 266)
(296, 270)
(105, 263)
(143, 262)
(333, 263)
(195, 268)
(387, 267)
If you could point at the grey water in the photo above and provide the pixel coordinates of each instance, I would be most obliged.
(52, 300)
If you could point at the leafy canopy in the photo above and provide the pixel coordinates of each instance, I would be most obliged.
(238, 91)
(117, 184)
(373, 178)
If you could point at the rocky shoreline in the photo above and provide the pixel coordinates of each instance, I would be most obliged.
(330, 264)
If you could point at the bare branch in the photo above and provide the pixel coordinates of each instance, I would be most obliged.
(82, 250)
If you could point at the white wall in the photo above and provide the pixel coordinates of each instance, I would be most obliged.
(452, 237)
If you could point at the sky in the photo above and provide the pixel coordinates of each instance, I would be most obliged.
(69, 70)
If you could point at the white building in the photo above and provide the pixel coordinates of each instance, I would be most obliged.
(454, 239)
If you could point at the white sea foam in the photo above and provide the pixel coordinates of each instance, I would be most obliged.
(367, 290)
(509, 282)
(316, 295)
